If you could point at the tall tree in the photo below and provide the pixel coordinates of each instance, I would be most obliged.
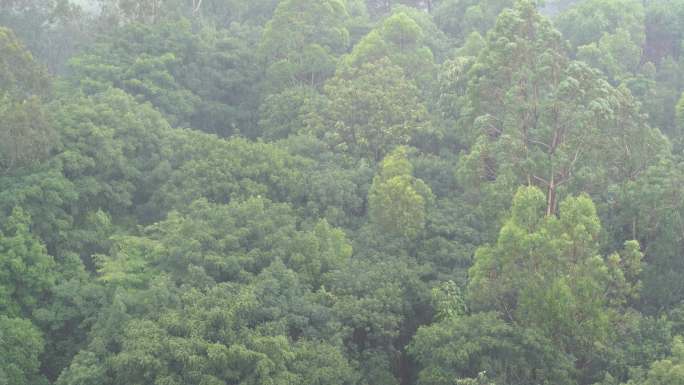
(26, 135)
(538, 118)
(545, 273)
(302, 40)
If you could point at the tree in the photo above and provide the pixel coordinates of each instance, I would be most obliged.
(649, 209)
(400, 40)
(319, 363)
(545, 273)
(268, 330)
(588, 21)
(285, 113)
(455, 349)
(52, 30)
(199, 78)
(65, 320)
(264, 192)
(27, 270)
(615, 54)
(679, 113)
(379, 302)
(20, 348)
(665, 371)
(20, 75)
(242, 11)
(664, 30)
(536, 117)
(397, 200)
(634, 44)
(301, 41)
(452, 105)
(203, 166)
(372, 109)
(112, 150)
(46, 195)
(26, 137)
(458, 18)
(213, 243)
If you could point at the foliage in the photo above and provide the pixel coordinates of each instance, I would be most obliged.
(341, 192)
(27, 270)
(192, 77)
(458, 19)
(26, 136)
(20, 349)
(397, 201)
(301, 40)
(544, 273)
(372, 109)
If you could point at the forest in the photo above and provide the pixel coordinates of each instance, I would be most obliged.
(341, 192)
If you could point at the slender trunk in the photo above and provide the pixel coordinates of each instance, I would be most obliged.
(551, 200)
(196, 5)
(634, 232)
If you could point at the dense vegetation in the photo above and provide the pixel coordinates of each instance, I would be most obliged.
(341, 192)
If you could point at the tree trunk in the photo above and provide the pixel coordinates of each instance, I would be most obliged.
(551, 199)
(196, 5)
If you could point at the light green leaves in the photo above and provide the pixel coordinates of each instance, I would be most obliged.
(373, 109)
(397, 200)
(544, 272)
(20, 347)
(27, 272)
(301, 41)
(26, 135)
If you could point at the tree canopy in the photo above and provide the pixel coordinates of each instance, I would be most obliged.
(341, 192)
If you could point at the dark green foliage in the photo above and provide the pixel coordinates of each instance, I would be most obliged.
(27, 270)
(216, 243)
(20, 349)
(341, 192)
(301, 41)
(223, 170)
(461, 347)
(26, 136)
(371, 110)
(200, 78)
(459, 18)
